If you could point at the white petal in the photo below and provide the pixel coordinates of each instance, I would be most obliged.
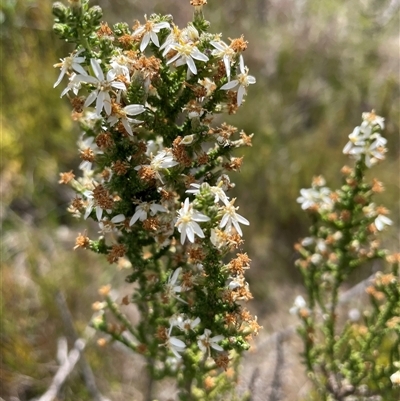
(91, 98)
(161, 25)
(242, 220)
(237, 227)
(241, 65)
(99, 213)
(134, 109)
(240, 94)
(112, 120)
(154, 39)
(175, 352)
(347, 147)
(381, 221)
(191, 65)
(218, 45)
(61, 76)
(88, 210)
(190, 232)
(224, 220)
(175, 275)
(181, 61)
(227, 67)
(79, 68)
(176, 342)
(198, 55)
(183, 235)
(356, 151)
(107, 102)
(111, 74)
(97, 69)
(251, 80)
(145, 41)
(154, 208)
(99, 102)
(216, 347)
(171, 60)
(135, 217)
(230, 85)
(118, 85)
(118, 218)
(196, 228)
(200, 217)
(139, 30)
(300, 302)
(86, 78)
(177, 288)
(127, 126)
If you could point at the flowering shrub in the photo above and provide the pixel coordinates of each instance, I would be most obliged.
(356, 358)
(155, 180)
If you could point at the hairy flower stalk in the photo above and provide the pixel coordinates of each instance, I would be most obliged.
(346, 359)
(158, 186)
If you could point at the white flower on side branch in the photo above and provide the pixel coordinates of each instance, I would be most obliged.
(187, 222)
(242, 81)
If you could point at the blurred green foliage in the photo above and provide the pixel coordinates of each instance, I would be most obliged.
(318, 64)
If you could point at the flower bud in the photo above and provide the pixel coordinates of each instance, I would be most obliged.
(187, 140)
(60, 11)
(95, 14)
(60, 29)
(76, 7)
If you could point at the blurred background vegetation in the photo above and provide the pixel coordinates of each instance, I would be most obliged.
(318, 64)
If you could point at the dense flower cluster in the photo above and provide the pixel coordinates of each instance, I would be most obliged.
(155, 173)
(366, 140)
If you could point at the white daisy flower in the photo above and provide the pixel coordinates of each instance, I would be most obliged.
(72, 62)
(381, 221)
(154, 146)
(122, 115)
(186, 222)
(357, 138)
(190, 34)
(176, 345)
(91, 204)
(372, 119)
(205, 342)
(373, 152)
(222, 50)
(188, 324)
(217, 191)
(162, 160)
(186, 52)
(88, 150)
(299, 303)
(231, 218)
(315, 197)
(144, 209)
(103, 86)
(150, 30)
(172, 287)
(74, 85)
(120, 69)
(243, 81)
(108, 226)
(171, 39)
